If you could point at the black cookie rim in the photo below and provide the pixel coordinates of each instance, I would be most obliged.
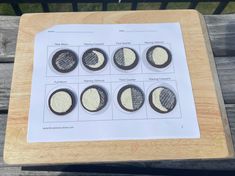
(98, 68)
(132, 66)
(72, 98)
(154, 107)
(163, 65)
(99, 89)
(61, 51)
(120, 93)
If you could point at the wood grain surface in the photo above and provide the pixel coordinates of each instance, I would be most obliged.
(212, 143)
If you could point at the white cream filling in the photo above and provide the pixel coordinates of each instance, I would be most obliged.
(100, 59)
(91, 99)
(61, 102)
(156, 99)
(160, 56)
(126, 99)
(129, 56)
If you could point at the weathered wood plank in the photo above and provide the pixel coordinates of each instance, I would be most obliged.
(226, 72)
(220, 27)
(17, 171)
(222, 34)
(230, 108)
(3, 119)
(8, 34)
(5, 83)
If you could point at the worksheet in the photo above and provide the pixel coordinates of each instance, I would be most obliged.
(96, 82)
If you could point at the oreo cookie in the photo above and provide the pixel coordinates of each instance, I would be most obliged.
(64, 61)
(125, 58)
(94, 98)
(162, 99)
(130, 98)
(61, 101)
(158, 56)
(94, 59)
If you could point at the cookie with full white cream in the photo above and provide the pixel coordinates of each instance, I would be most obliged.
(125, 58)
(61, 101)
(158, 56)
(94, 59)
(94, 98)
(162, 99)
(130, 98)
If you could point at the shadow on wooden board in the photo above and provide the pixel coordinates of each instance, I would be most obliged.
(123, 169)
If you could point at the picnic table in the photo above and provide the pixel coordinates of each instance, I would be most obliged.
(222, 37)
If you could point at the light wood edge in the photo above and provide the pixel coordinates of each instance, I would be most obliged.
(217, 86)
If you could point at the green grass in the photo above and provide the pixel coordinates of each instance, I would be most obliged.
(203, 7)
(89, 7)
(148, 6)
(207, 7)
(31, 8)
(65, 7)
(5, 9)
(230, 8)
(119, 6)
(178, 5)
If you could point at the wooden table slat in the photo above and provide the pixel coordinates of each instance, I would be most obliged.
(5, 83)
(222, 34)
(226, 72)
(8, 34)
(17, 171)
(3, 119)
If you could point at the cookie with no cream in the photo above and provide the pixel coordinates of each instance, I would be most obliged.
(64, 61)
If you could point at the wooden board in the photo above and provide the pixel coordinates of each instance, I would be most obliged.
(215, 140)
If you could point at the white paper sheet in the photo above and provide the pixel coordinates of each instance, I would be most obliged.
(112, 123)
